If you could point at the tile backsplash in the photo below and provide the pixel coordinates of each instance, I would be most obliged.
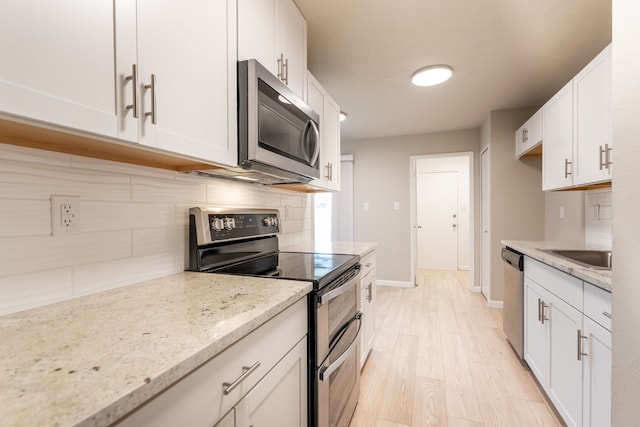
(597, 218)
(133, 223)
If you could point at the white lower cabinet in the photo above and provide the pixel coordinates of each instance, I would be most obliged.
(262, 376)
(279, 398)
(367, 305)
(596, 389)
(567, 351)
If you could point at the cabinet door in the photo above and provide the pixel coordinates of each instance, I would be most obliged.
(565, 377)
(536, 333)
(280, 398)
(229, 420)
(57, 63)
(368, 297)
(331, 143)
(529, 135)
(592, 123)
(188, 47)
(257, 32)
(596, 392)
(292, 44)
(557, 134)
(322, 103)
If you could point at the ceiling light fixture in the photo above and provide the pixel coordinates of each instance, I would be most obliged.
(431, 75)
(343, 116)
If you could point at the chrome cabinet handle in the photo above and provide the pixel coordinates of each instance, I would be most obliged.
(566, 168)
(152, 86)
(580, 352)
(370, 296)
(607, 315)
(286, 71)
(282, 69)
(608, 156)
(602, 153)
(134, 81)
(542, 316)
(246, 371)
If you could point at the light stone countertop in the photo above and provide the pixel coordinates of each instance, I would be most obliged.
(91, 360)
(349, 248)
(599, 278)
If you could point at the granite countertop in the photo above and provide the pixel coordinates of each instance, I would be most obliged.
(597, 277)
(350, 248)
(91, 360)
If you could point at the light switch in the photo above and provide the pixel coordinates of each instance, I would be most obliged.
(396, 206)
(561, 212)
(365, 206)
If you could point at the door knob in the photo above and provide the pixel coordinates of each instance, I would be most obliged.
(418, 226)
(454, 225)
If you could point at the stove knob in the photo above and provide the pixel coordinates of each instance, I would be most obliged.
(217, 224)
(274, 221)
(229, 223)
(266, 221)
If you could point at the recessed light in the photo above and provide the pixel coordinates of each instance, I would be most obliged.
(431, 75)
(343, 116)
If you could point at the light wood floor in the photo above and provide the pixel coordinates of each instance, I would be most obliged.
(441, 359)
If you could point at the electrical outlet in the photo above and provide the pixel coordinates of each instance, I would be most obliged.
(65, 215)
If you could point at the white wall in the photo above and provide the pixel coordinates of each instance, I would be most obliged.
(382, 174)
(133, 223)
(626, 212)
(517, 201)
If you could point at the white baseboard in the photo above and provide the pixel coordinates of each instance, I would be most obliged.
(494, 304)
(394, 283)
(476, 289)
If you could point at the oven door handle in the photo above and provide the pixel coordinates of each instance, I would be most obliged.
(325, 371)
(324, 298)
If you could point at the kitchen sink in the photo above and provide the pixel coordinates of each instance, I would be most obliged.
(588, 258)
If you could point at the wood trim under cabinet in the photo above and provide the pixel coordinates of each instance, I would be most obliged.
(43, 138)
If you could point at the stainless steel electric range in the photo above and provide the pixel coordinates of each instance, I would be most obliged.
(245, 242)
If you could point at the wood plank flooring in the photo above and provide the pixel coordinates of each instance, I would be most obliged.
(441, 359)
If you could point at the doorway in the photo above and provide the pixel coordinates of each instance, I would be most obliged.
(442, 212)
(485, 214)
(437, 220)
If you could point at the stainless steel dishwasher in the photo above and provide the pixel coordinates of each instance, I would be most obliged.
(513, 307)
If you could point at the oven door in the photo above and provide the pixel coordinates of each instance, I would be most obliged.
(337, 367)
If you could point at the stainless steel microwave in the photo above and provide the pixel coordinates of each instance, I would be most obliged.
(278, 134)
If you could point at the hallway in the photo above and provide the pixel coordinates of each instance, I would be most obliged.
(441, 359)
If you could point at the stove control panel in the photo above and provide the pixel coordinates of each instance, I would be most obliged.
(214, 225)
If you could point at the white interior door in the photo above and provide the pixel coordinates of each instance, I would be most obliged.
(437, 220)
(485, 215)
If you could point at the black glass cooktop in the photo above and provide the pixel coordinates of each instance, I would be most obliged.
(318, 268)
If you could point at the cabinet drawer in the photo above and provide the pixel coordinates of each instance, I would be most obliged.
(597, 305)
(368, 263)
(198, 399)
(567, 287)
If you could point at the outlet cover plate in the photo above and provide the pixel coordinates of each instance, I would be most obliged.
(65, 215)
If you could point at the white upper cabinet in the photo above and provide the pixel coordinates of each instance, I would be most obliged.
(576, 129)
(592, 143)
(529, 136)
(177, 88)
(57, 63)
(274, 32)
(557, 134)
(322, 103)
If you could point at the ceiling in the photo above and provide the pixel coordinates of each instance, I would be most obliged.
(505, 54)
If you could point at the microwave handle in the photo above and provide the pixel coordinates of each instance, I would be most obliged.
(316, 152)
